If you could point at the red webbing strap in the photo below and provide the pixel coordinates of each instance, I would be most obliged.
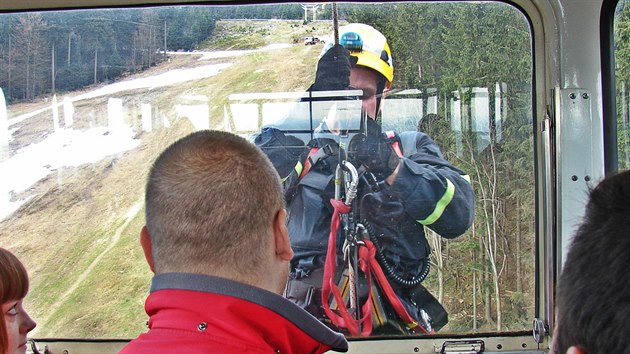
(344, 319)
(393, 299)
(395, 144)
(369, 265)
(307, 163)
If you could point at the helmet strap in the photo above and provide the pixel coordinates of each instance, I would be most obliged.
(380, 88)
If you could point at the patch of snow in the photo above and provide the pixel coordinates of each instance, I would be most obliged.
(64, 148)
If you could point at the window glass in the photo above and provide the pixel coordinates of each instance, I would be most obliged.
(91, 97)
(622, 75)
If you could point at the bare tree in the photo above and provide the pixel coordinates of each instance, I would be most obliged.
(30, 54)
(484, 168)
(146, 39)
(436, 246)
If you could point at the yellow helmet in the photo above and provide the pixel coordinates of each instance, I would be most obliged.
(370, 47)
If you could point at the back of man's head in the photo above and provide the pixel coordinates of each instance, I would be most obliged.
(211, 199)
(593, 294)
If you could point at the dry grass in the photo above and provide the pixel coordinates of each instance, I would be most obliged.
(78, 233)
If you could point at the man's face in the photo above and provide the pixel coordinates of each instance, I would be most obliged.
(366, 80)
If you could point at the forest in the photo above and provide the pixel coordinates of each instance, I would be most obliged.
(42, 53)
(622, 74)
(486, 278)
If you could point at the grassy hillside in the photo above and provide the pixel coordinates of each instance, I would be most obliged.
(78, 232)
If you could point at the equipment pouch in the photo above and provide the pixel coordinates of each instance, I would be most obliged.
(306, 294)
(419, 298)
(309, 210)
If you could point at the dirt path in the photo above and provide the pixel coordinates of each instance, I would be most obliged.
(129, 216)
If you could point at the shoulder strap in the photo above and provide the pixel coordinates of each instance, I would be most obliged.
(315, 155)
(395, 144)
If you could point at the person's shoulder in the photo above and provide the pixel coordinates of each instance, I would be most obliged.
(177, 341)
(417, 135)
(611, 195)
(418, 142)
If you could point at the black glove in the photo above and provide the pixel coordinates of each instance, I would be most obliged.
(375, 150)
(333, 70)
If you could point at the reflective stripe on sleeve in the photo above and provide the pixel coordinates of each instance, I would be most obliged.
(467, 178)
(441, 204)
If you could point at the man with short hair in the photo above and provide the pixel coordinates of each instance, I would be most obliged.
(216, 239)
(593, 296)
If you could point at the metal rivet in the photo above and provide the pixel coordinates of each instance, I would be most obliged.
(574, 178)
(65, 351)
(587, 178)
(585, 95)
(572, 95)
(416, 349)
(202, 326)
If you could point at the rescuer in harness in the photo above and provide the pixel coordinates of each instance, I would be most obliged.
(361, 253)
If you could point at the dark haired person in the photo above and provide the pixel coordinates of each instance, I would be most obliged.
(593, 296)
(15, 322)
(216, 239)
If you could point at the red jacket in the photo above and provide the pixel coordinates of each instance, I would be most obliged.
(192, 313)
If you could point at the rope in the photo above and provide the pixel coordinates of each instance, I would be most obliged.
(335, 22)
(344, 318)
(370, 266)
